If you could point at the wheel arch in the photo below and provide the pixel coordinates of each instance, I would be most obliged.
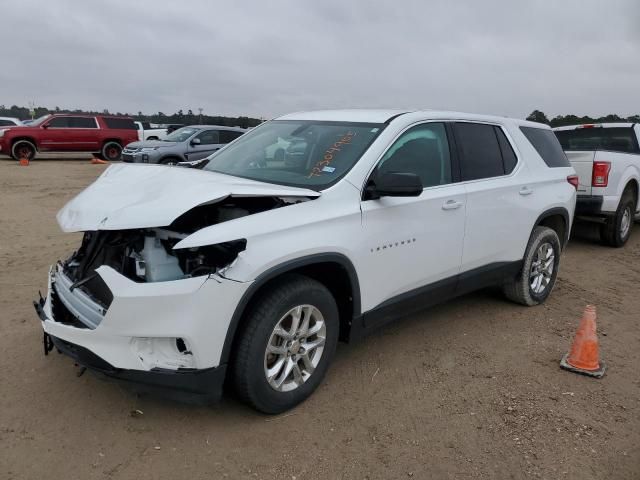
(112, 139)
(633, 184)
(23, 138)
(558, 220)
(334, 270)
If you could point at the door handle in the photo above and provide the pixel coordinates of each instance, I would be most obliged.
(451, 205)
(525, 191)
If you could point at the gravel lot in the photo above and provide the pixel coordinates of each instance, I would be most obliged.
(470, 389)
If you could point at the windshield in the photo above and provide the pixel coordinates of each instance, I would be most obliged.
(181, 134)
(308, 154)
(38, 121)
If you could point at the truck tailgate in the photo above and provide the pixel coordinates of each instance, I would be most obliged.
(582, 162)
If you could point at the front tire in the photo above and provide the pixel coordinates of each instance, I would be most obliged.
(111, 151)
(535, 281)
(287, 344)
(617, 229)
(23, 149)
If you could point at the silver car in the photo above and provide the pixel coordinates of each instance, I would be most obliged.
(184, 145)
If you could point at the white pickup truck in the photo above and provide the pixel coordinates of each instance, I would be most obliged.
(606, 158)
(146, 132)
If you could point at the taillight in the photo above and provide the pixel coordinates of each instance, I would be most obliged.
(573, 180)
(600, 177)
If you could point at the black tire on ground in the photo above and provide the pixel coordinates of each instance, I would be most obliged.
(169, 161)
(23, 148)
(612, 232)
(111, 151)
(520, 289)
(248, 363)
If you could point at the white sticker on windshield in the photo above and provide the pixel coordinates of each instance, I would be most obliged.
(328, 169)
(374, 130)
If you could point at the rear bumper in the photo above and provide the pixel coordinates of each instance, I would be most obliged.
(589, 205)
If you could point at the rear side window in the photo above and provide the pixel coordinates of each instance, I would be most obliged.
(616, 139)
(227, 136)
(480, 155)
(547, 146)
(82, 122)
(120, 123)
(4, 123)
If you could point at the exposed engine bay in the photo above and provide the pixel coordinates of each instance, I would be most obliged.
(147, 255)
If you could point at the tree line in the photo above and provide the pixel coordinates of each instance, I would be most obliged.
(562, 120)
(188, 118)
(191, 118)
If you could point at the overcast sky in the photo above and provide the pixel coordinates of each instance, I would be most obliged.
(266, 58)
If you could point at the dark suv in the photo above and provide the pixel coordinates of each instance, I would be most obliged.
(103, 135)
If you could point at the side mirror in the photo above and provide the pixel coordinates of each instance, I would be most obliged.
(394, 184)
(46, 125)
(195, 141)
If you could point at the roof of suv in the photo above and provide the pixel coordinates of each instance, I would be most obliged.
(382, 116)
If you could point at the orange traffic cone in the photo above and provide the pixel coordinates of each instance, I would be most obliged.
(24, 161)
(98, 161)
(583, 356)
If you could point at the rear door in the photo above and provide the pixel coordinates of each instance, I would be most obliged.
(500, 201)
(85, 134)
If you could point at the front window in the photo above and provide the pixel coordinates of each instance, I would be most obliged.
(308, 154)
(181, 135)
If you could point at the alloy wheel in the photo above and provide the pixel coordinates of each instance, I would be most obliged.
(295, 348)
(542, 268)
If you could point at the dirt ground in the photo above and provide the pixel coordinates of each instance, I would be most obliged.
(470, 389)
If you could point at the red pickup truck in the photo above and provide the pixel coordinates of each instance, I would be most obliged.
(103, 135)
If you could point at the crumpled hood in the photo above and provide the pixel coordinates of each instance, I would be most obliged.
(130, 196)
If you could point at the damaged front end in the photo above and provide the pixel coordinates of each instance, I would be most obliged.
(148, 255)
(140, 299)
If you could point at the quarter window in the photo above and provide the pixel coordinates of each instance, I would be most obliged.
(422, 150)
(547, 146)
(480, 155)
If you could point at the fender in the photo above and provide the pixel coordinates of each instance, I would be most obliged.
(630, 173)
(557, 211)
(281, 269)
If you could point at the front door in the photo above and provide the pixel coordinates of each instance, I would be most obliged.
(413, 245)
(209, 142)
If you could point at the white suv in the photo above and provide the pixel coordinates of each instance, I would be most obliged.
(253, 266)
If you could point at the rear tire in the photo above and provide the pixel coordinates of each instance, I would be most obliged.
(23, 148)
(111, 151)
(537, 278)
(272, 342)
(617, 229)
